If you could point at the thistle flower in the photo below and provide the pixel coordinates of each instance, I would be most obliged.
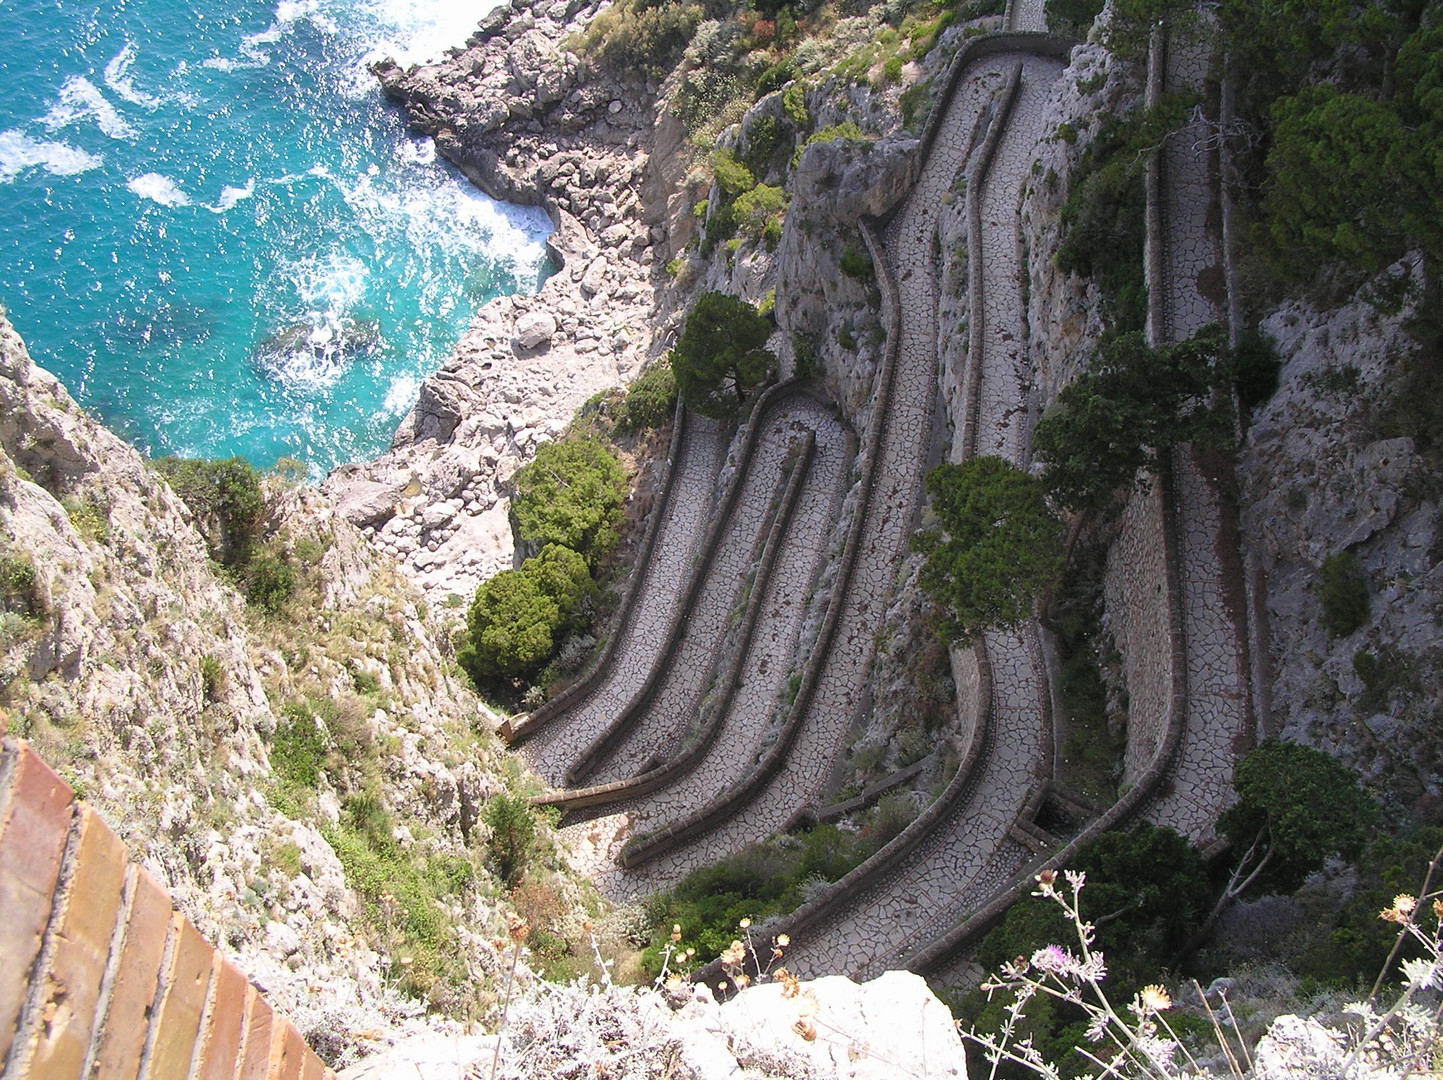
(1402, 909)
(1053, 960)
(1155, 998)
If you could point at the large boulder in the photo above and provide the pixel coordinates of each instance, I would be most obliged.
(534, 329)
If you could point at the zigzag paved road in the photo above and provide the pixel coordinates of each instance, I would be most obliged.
(686, 738)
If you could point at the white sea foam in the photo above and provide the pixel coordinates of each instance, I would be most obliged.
(158, 189)
(79, 100)
(229, 196)
(19, 152)
(120, 81)
(253, 53)
(431, 211)
(400, 396)
(422, 30)
(330, 284)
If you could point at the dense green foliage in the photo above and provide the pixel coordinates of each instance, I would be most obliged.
(1356, 943)
(1347, 97)
(1092, 750)
(732, 175)
(722, 354)
(19, 584)
(1144, 891)
(759, 213)
(519, 617)
(401, 894)
(571, 494)
(1342, 594)
(764, 880)
(512, 822)
(1130, 407)
(1105, 217)
(857, 263)
(650, 400)
(1296, 808)
(999, 546)
(270, 581)
(226, 499)
(1072, 17)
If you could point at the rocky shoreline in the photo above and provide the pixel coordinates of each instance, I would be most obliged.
(512, 110)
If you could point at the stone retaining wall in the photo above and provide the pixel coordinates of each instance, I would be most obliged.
(946, 949)
(643, 848)
(611, 736)
(100, 976)
(517, 727)
(678, 766)
(1135, 600)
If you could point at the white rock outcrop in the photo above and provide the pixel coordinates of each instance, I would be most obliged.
(831, 1029)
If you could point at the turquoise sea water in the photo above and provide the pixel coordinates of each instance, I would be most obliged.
(218, 235)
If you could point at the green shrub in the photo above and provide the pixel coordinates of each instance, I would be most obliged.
(1072, 17)
(761, 206)
(1256, 367)
(519, 617)
(402, 896)
(794, 101)
(732, 176)
(1355, 944)
(212, 677)
(998, 549)
(270, 581)
(915, 104)
(805, 362)
(571, 494)
(513, 835)
(1297, 807)
(635, 35)
(857, 263)
(226, 499)
(19, 584)
(1132, 404)
(766, 879)
(650, 400)
(764, 138)
(847, 131)
(298, 751)
(722, 354)
(1343, 594)
(777, 76)
(88, 519)
(1145, 892)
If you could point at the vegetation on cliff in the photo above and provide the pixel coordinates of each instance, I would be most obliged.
(722, 354)
(998, 550)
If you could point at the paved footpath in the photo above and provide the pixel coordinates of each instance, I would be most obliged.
(771, 655)
(556, 745)
(1218, 721)
(842, 686)
(660, 729)
(967, 856)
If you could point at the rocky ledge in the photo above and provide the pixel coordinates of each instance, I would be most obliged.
(513, 110)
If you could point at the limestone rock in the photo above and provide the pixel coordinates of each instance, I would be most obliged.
(891, 1026)
(534, 329)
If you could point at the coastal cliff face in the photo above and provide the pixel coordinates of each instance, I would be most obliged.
(1343, 464)
(512, 110)
(140, 673)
